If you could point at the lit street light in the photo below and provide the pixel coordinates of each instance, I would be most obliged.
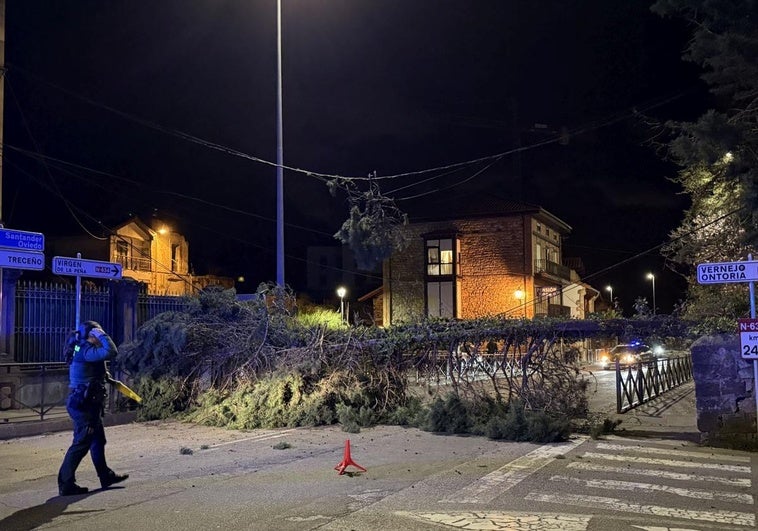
(341, 291)
(520, 296)
(651, 276)
(610, 289)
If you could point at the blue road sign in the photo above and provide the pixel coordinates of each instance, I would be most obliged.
(17, 259)
(20, 239)
(78, 267)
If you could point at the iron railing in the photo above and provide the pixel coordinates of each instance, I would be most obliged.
(642, 382)
(46, 313)
(552, 268)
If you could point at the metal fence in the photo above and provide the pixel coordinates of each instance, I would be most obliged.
(46, 314)
(645, 381)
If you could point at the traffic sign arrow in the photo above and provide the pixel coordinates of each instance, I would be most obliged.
(80, 267)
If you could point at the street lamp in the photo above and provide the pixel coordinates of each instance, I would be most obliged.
(520, 296)
(279, 153)
(610, 289)
(341, 291)
(651, 277)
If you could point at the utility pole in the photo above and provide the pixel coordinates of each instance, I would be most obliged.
(2, 100)
(4, 328)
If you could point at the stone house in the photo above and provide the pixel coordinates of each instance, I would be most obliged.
(154, 254)
(493, 257)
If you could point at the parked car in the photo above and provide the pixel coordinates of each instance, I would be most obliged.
(626, 354)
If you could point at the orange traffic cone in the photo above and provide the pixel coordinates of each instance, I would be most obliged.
(347, 461)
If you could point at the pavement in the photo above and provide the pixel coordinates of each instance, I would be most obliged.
(672, 415)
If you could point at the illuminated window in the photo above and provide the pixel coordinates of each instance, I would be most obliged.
(442, 284)
(439, 257)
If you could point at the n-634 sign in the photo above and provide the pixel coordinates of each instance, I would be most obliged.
(748, 329)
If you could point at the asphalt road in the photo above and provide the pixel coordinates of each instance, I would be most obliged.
(193, 477)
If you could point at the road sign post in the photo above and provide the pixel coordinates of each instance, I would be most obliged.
(745, 271)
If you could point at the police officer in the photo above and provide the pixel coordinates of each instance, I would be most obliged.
(87, 350)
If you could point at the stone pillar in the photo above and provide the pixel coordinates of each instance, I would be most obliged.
(724, 390)
(8, 311)
(124, 307)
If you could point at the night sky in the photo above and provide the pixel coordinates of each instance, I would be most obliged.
(109, 92)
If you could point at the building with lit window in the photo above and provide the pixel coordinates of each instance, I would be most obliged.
(490, 258)
(155, 255)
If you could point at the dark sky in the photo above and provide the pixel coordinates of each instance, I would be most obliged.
(107, 91)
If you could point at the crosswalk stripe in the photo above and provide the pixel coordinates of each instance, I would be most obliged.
(736, 482)
(614, 504)
(731, 497)
(498, 481)
(671, 452)
(668, 462)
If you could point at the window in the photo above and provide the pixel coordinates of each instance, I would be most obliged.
(442, 284)
(439, 257)
(122, 250)
(439, 299)
(175, 257)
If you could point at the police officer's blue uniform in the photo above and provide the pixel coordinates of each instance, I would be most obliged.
(89, 348)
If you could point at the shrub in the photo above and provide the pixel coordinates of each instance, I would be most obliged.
(161, 399)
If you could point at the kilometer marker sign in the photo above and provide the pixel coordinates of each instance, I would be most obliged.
(725, 272)
(748, 329)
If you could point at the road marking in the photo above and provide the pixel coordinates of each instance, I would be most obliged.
(672, 453)
(261, 437)
(736, 482)
(506, 520)
(658, 528)
(731, 497)
(669, 462)
(495, 483)
(614, 504)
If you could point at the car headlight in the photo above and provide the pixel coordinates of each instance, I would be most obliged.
(658, 350)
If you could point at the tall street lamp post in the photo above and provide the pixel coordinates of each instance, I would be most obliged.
(279, 153)
(610, 289)
(651, 277)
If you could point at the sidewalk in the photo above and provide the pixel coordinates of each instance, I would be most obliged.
(672, 415)
(26, 423)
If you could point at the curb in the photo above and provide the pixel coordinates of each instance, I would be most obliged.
(13, 430)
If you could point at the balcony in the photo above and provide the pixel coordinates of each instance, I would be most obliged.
(134, 264)
(543, 309)
(553, 269)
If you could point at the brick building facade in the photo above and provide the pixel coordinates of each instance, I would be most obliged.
(506, 260)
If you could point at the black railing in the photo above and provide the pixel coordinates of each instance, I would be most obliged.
(644, 381)
(552, 268)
